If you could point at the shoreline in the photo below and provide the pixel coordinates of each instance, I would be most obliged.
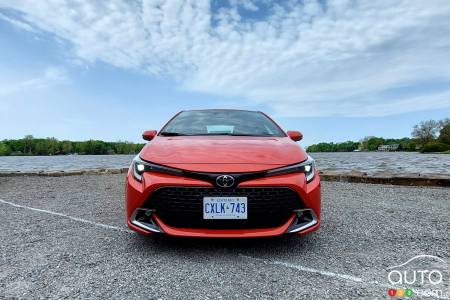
(406, 179)
(312, 153)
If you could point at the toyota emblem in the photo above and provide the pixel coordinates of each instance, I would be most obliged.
(225, 181)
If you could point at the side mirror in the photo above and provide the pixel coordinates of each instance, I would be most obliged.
(148, 135)
(295, 135)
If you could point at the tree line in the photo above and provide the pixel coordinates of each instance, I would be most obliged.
(427, 136)
(51, 146)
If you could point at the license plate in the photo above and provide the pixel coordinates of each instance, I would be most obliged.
(225, 208)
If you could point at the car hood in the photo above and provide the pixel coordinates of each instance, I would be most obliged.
(223, 153)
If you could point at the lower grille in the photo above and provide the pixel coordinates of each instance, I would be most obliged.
(182, 207)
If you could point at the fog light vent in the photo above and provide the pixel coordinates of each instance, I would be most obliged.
(143, 218)
(305, 218)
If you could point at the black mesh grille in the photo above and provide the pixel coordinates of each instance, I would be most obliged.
(182, 206)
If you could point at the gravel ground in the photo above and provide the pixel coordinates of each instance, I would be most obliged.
(64, 250)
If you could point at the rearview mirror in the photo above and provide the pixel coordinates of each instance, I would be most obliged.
(295, 135)
(148, 135)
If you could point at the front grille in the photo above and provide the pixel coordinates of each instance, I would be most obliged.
(182, 207)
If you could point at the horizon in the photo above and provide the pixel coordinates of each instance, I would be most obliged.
(144, 142)
(109, 71)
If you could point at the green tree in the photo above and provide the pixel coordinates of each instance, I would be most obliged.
(4, 149)
(67, 147)
(426, 131)
(364, 143)
(16, 145)
(347, 146)
(121, 148)
(407, 144)
(435, 146)
(52, 146)
(444, 134)
(95, 147)
(374, 142)
(80, 147)
(41, 147)
(27, 144)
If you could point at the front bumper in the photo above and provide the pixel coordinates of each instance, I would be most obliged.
(145, 220)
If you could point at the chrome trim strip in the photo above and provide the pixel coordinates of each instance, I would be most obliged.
(155, 228)
(305, 226)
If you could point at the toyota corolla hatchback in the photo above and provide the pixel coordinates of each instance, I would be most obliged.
(222, 173)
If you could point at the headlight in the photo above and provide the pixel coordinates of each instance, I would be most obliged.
(140, 166)
(308, 167)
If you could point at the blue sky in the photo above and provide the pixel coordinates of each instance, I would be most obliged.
(335, 70)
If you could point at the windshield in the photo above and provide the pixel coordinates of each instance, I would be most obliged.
(222, 122)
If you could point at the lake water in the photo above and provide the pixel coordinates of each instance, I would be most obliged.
(370, 162)
(391, 162)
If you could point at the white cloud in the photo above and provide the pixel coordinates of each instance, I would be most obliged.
(18, 23)
(49, 77)
(306, 58)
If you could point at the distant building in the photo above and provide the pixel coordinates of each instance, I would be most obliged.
(393, 147)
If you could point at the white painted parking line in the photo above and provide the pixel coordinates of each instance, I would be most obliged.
(67, 217)
(306, 269)
(325, 273)
(285, 264)
(269, 262)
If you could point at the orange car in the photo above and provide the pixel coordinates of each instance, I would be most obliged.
(222, 173)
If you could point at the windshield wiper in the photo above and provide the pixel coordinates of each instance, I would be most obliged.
(244, 134)
(168, 133)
